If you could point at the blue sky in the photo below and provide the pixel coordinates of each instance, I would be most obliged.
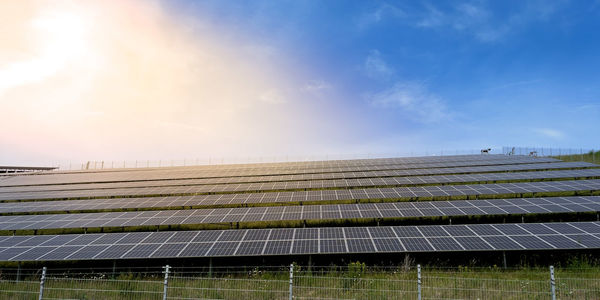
(439, 74)
(150, 80)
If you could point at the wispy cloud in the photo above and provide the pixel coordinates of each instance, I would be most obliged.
(464, 17)
(433, 18)
(475, 19)
(272, 96)
(376, 67)
(316, 85)
(514, 84)
(414, 100)
(549, 132)
(378, 14)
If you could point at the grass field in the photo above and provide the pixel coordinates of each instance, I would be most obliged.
(592, 157)
(354, 281)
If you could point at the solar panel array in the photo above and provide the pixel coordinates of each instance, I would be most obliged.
(310, 212)
(299, 177)
(257, 192)
(373, 194)
(289, 241)
(178, 173)
(300, 185)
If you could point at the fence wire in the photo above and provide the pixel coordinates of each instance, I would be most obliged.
(75, 288)
(353, 282)
(226, 288)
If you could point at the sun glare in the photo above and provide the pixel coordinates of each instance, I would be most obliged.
(59, 36)
(61, 33)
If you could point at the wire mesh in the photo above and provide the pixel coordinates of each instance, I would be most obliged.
(335, 287)
(77, 288)
(355, 281)
(578, 288)
(226, 288)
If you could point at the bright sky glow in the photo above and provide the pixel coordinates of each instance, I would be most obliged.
(127, 80)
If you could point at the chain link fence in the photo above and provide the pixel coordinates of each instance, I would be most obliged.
(566, 154)
(213, 161)
(355, 281)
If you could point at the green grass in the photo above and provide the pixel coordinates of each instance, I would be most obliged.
(591, 157)
(578, 280)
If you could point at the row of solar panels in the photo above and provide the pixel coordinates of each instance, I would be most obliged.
(479, 191)
(307, 164)
(301, 177)
(295, 185)
(291, 241)
(178, 173)
(218, 243)
(311, 212)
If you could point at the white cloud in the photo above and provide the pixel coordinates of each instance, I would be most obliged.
(475, 19)
(376, 67)
(380, 13)
(549, 132)
(272, 96)
(414, 100)
(465, 17)
(433, 18)
(316, 85)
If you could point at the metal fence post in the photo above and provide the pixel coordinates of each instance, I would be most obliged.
(291, 281)
(42, 281)
(419, 282)
(552, 284)
(166, 284)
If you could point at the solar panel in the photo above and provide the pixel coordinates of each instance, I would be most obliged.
(265, 169)
(277, 247)
(479, 190)
(303, 247)
(373, 239)
(368, 210)
(75, 191)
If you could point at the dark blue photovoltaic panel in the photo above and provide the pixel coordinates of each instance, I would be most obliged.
(333, 246)
(250, 248)
(142, 250)
(195, 250)
(305, 247)
(502, 242)
(360, 245)
(278, 247)
(531, 242)
(561, 242)
(223, 249)
(416, 244)
(407, 232)
(473, 243)
(444, 244)
(253, 242)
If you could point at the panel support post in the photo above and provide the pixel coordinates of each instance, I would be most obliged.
(42, 281)
(291, 281)
(210, 267)
(419, 282)
(552, 284)
(166, 283)
(504, 259)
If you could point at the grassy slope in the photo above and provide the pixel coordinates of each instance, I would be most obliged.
(592, 157)
(355, 281)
